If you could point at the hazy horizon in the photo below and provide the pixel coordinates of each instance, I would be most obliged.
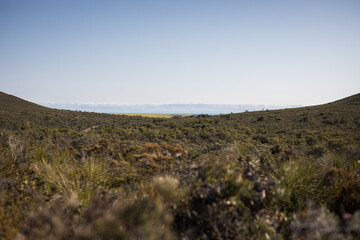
(166, 108)
(180, 52)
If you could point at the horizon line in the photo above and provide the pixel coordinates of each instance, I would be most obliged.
(166, 104)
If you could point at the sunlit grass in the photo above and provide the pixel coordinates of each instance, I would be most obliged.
(68, 176)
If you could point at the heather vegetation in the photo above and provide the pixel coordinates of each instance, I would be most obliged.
(284, 174)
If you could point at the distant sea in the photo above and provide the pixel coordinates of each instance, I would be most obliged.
(211, 109)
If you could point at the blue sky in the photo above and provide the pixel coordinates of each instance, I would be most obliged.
(164, 52)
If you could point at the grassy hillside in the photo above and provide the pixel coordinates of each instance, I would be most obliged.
(16, 105)
(284, 174)
(352, 100)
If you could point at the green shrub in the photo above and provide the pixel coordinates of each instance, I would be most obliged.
(341, 190)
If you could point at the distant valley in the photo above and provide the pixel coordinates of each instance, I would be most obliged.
(210, 109)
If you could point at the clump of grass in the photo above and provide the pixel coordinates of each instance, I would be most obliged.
(67, 175)
(299, 178)
(332, 160)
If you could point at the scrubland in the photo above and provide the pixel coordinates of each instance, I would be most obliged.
(284, 174)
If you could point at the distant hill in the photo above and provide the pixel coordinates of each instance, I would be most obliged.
(11, 103)
(352, 100)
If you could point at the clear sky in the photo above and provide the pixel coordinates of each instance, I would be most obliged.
(186, 51)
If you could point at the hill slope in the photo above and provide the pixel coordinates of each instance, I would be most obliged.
(352, 100)
(14, 104)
